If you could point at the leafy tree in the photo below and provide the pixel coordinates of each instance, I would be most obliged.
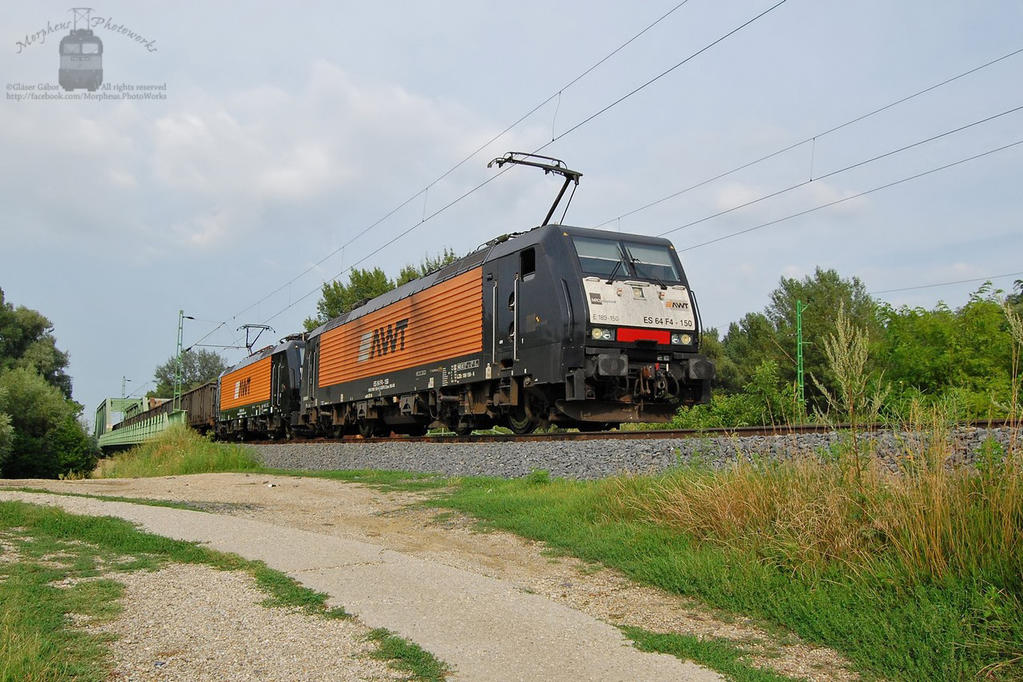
(426, 266)
(771, 335)
(6, 432)
(77, 451)
(725, 369)
(1015, 300)
(960, 356)
(337, 299)
(26, 340)
(198, 367)
(47, 440)
(748, 343)
(40, 435)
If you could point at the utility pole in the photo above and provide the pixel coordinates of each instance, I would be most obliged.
(799, 356)
(181, 362)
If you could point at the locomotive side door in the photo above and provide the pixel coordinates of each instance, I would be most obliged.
(514, 289)
(276, 381)
(503, 280)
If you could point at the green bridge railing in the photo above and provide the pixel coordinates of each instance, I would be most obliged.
(138, 432)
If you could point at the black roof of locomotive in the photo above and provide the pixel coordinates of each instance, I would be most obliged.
(285, 344)
(487, 252)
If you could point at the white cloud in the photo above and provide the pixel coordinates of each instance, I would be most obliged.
(208, 168)
(733, 194)
(793, 271)
(822, 192)
(122, 179)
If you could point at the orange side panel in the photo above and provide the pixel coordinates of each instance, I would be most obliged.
(245, 386)
(444, 321)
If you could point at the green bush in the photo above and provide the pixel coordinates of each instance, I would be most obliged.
(44, 438)
(765, 399)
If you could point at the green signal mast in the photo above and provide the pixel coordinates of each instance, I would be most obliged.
(800, 381)
(180, 369)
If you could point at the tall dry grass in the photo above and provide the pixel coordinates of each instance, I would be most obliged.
(177, 451)
(927, 520)
(917, 513)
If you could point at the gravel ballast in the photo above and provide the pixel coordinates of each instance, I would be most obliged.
(588, 459)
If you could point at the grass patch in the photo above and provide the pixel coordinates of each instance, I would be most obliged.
(916, 576)
(405, 656)
(35, 640)
(43, 545)
(721, 655)
(176, 452)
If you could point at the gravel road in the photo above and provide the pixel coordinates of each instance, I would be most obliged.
(396, 523)
(484, 627)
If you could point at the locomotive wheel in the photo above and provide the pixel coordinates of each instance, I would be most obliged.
(371, 428)
(590, 427)
(414, 430)
(521, 423)
(463, 428)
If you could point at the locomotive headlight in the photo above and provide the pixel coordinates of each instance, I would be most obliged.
(600, 334)
(596, 333)
(681, 339)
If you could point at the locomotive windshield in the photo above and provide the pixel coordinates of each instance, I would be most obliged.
(651, 261)
(608, 257)
(599, 256)
(90, 48)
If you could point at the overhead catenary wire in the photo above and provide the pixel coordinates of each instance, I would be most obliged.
(814, 137)
(833, 173)
(664, 73)
(570, 130)
(556, 94)
(988, 278)
(853, 196)
(138, 390)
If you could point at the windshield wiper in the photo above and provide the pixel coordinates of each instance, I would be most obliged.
(614, 271)
(635, 260)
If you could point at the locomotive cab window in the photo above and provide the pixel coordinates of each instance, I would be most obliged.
(72, 48)
(527, 263)
(599, 257)
(651, 261)
(90, 48)
(612, 258)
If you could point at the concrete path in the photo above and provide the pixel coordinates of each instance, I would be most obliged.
(484, 628)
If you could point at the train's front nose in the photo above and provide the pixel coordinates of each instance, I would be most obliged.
(642, 342)
(642, 332)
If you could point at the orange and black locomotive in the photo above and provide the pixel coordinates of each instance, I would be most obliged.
(557, 325)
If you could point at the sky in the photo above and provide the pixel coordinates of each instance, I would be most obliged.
(291, 141)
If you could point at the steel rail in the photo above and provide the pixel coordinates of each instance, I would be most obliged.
(659, 434)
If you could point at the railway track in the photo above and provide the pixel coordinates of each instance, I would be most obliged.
(655, 434)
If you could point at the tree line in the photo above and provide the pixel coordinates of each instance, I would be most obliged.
(40, 432)
(960, 359)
